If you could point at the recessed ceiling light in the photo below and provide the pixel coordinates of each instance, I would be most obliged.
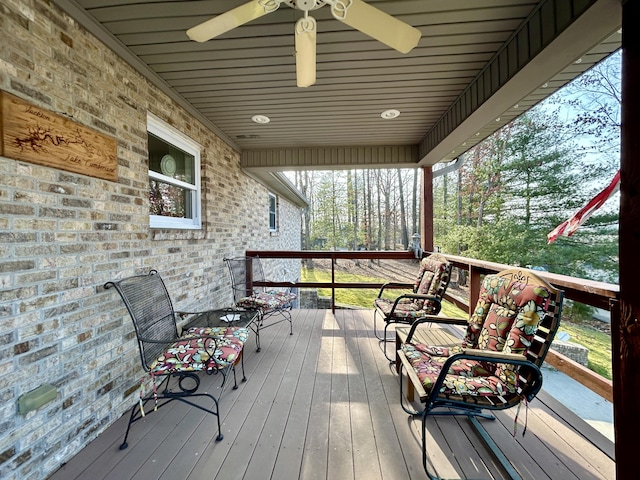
(516, 105)
(578, 61)
(390, 114)
(262, 119)
(498, 119)
(545, 85)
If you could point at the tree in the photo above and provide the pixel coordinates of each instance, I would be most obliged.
(404, 235)
(515, 187)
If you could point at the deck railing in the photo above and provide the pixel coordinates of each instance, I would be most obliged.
(589, 292)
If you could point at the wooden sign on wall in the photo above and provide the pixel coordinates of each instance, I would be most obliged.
(36, 135)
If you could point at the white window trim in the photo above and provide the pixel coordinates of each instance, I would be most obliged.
(173, 136)
(275, 197)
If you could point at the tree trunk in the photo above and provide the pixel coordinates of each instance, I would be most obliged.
(403, 216)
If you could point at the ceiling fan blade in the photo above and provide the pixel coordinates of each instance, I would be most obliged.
(377, 24)
(229, 20)
(306, 30)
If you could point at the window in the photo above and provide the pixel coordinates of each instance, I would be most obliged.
(273, 213)
(174, 177)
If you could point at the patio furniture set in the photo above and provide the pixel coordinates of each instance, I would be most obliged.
(210, 341)
(494, 366)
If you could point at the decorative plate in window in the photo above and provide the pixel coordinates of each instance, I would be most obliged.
(168, 165)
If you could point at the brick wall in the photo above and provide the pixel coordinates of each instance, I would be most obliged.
(63, 235)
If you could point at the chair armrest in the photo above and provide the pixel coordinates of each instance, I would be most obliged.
(288, 288)
(182, 337)
(394, 284)
(184, 314)
(415, 296)
(155, 340)
(492, 357)
(502, 357)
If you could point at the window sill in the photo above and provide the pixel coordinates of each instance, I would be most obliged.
(177, 234)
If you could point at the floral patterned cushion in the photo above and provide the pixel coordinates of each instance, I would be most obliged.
(506, 318)
(406, 308)
(465, 377)
(272, 300)
(242, 333)
(433, 270)
(192, 353)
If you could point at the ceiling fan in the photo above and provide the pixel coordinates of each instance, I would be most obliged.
(355, 13)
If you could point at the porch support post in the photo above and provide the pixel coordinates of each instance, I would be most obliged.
(626, 326)
(426, 225)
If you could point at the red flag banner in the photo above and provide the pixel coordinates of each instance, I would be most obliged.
(569, 227)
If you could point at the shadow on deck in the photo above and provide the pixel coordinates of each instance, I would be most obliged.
(324, 403)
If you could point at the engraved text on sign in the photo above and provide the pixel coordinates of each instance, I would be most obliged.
(33, 134)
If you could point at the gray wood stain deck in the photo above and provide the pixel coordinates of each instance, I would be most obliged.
(324, 404)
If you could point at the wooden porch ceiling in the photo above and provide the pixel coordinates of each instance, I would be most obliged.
(324, 403)
(477, 61)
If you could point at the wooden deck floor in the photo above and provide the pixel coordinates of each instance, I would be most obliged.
(324, 403)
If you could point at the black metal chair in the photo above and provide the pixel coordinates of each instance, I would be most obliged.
(247, 283)
(497, 364)
(426, 297)
(166, 354)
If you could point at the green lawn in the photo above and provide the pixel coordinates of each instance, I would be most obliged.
(598, 343)
(363, 297)
(360, 297)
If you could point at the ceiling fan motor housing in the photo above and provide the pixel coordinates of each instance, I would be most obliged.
(305, 5)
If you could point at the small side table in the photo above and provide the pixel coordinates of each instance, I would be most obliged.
(218, 318)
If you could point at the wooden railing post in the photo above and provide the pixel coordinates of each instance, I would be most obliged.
(249, 276)
(475, 279)
(625, 327)
(426, 224)
(333, 284)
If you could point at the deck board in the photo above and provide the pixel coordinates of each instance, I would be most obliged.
(316, 438)
(290, 455)
(268, 443)
(363, 436)
(387, 440)
(220, 460)
(324, 403)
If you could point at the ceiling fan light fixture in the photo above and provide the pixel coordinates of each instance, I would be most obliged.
(390, 114)
(305, 50)
(260, 119)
